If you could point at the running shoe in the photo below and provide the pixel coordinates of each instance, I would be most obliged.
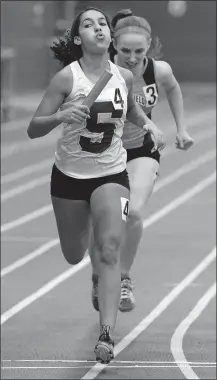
(127, 300)
(104, 349)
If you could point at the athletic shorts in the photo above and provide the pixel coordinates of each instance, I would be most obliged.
(63, 186)
(144, 150)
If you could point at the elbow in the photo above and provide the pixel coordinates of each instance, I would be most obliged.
(30, 134)
(30, 131)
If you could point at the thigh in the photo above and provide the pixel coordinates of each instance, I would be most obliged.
(142, 175)
(73, 221)
(109, 210)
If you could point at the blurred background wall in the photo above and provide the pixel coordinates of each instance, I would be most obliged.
(186, 29)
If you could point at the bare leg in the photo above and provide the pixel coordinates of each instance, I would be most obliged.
(109, 226)
(73, 221)
(142, 174)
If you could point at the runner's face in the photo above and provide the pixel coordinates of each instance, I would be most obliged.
(94, 32)
(131, 50)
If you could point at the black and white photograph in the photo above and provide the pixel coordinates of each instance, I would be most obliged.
(108, 189)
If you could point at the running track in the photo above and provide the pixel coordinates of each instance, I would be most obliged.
(49, 327)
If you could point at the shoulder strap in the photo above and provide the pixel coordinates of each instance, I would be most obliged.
(149, 75)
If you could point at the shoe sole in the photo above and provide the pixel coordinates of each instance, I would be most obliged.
(103, 353)
(126, 308)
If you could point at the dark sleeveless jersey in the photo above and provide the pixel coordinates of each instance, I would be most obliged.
(145, 93)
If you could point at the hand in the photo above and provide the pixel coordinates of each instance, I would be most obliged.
(75, 114)
(157, 137)
(183, 140)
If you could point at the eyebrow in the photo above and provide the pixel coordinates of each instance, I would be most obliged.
(128, 49)
(90, 19)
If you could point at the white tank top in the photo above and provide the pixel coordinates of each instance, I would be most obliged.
(146, 95)
(94, 149)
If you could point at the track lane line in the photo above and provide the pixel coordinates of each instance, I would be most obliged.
(200, 186)
(185, 169)
(20, 173)
(176, 345)
(155, 313)
(46, 209)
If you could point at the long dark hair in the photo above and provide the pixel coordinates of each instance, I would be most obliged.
(64, 49)
(156, 46)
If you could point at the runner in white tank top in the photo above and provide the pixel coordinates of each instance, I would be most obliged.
(132, 40)
(94, 149)
(89, 181)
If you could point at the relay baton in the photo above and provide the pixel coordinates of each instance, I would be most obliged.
(97, 89)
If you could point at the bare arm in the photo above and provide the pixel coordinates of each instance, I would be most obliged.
(166, 78)
(45, 118)
(136, 115)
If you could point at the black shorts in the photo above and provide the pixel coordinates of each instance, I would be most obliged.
(63, 186)
(144, 150)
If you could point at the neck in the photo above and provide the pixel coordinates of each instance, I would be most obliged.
(94, 64)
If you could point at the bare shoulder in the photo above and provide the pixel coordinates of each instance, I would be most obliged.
(163, 71)
(63, 80)
(127, 75)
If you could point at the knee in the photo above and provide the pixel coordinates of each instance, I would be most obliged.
(109, 251)
(135, 220)
(73, 253)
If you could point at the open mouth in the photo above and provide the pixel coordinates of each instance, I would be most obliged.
(100, 37)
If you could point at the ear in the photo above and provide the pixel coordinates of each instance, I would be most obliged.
(77, 40)
(149, 43)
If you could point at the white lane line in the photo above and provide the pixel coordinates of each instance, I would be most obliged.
(28, 145)
(23, 123)
(26, 218)
(135, 366)
(46, 209)
(94, 361)
(181, 199)
(68, 273)
(20, 173)
(199, 137)
(12, 126)
(44, 290)
(21, 189)
(25, 239)
(159, 185)
(177, 338)
(24, 260)
(13, 148)
(163, 305)
(185, 169)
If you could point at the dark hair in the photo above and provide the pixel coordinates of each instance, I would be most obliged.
(64, 49)
(155, 48)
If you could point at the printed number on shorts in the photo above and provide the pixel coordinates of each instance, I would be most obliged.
(151, 94)
(100, 122)
(124, 208)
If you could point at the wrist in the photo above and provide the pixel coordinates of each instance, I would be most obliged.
(146, 128)
(57, 117)
(180, 127)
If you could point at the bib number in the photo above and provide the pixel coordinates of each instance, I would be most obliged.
(124, 208)
(101, 123)
(151, 94)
